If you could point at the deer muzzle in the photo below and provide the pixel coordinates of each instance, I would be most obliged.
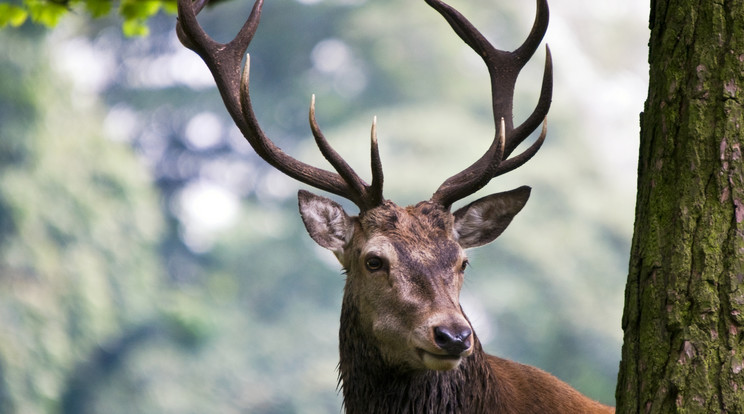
(446, 343)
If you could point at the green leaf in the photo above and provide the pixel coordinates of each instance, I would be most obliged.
(135, 28)
(138, 9)
(170, 6)
(98, 8)
(136, 13)
(12, 15)
(46, 13)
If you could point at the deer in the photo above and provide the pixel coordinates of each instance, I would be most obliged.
(405, 343)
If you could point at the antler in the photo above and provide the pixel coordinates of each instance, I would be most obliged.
(224, 61)
(503, 68)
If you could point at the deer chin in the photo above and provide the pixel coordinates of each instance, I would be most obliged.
(438, 362)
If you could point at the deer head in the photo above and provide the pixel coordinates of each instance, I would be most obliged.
(404, 265)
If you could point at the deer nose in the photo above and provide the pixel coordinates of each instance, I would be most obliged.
(454, 340)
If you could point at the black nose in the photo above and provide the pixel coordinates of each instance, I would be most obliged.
(454, 340)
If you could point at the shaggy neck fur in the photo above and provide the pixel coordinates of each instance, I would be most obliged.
(370, 386)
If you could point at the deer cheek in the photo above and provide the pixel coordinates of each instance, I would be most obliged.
(391, 339)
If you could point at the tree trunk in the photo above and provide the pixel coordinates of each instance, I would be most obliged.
(684, 303)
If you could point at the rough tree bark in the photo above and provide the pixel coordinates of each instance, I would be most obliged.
(684, 306)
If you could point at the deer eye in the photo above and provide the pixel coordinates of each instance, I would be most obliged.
(464, 265)
(374, 263)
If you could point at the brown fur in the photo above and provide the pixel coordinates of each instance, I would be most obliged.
(481, 384)
(370, 385)
(425, 254)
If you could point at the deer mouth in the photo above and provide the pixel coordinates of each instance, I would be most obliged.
(439, 362)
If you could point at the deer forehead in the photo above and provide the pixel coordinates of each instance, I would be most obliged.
(418, 238)
(424, 220)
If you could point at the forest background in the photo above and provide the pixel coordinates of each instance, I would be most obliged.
(150, 262)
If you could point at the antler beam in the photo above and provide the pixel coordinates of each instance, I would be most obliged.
(224, 61)
(503, 69)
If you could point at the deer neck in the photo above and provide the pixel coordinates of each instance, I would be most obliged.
(369, 385)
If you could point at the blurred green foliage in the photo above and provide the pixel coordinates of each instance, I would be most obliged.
(80, 229)
(133, 13)
(115, 298)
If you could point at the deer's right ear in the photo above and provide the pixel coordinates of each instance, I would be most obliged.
(325, 221)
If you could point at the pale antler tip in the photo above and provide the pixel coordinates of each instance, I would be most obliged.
(374, 130)
(312, 106)
(245, 75)
(502, 142)
(313, 122)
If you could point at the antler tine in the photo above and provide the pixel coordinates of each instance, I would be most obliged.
(472, 179)
(503, 68)
(369, 194)
(191, 35)
(539, 27)
(377, 177)
(518, 160)
(538, 115)
(343, 168)
(224, 61)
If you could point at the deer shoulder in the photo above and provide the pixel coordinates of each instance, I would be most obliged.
(536, 391)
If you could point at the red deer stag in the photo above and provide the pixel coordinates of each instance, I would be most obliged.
(405, 344)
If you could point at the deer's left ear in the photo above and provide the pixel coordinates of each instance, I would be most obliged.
(326, 221)
(481, 221)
